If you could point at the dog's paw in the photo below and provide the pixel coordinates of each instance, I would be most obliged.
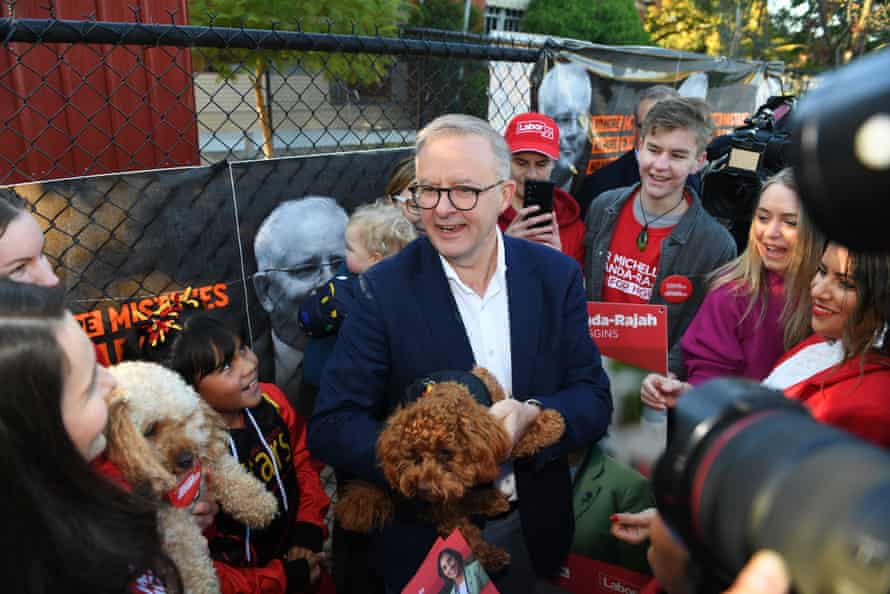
(260, 511)
(363, 507)
(241, 494)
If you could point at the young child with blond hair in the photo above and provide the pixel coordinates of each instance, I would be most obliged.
(374, 232)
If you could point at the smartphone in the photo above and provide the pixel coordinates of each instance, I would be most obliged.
(540, 193)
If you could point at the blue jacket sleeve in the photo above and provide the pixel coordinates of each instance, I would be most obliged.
(584, 398)
(352, 399)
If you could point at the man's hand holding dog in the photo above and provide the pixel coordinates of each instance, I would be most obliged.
(515, 415)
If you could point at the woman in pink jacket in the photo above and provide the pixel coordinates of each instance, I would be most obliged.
(757, 305)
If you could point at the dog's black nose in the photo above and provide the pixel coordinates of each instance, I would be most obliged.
(185, 460)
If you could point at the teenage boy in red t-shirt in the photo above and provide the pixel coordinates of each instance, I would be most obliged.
(653, 242)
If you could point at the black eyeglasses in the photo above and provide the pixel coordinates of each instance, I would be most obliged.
(460, 197)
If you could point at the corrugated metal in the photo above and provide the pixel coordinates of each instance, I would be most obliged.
(95, 109)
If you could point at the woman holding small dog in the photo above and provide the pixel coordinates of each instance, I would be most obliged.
(68, 530)
(268, 439)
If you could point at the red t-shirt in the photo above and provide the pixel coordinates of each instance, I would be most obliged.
(630, 273)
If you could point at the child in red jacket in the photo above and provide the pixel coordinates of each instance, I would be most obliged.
(269, 439)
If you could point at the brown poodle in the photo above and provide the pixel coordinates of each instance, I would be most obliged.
(159, 432)
(438, 449)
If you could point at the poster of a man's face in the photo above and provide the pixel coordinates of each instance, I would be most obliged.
(564, 95)
(298, 247)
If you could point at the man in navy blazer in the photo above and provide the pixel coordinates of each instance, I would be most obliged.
(467, 295)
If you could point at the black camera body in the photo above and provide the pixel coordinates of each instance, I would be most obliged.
(739, 163)
(748, 469)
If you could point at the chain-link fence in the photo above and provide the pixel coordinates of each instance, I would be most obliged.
(89, 97)
(110, 111)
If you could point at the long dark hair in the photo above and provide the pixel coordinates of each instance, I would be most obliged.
(865, 331)
(66, 529)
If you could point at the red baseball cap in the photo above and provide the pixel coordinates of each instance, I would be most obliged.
(533, 132)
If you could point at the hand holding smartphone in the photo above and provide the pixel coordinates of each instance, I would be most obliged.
(540, 193)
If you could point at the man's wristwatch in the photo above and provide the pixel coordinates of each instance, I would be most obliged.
(535, 402)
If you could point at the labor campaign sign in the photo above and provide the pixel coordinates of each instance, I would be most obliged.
(450, 566)
(582, 575)
(635, 334)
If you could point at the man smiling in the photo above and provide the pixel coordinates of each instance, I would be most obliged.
(466, 295)
(653, 242)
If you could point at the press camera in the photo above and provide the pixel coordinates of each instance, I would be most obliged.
(740, 161)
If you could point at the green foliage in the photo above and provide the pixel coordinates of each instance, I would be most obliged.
(444, 14)
(466, 81)
(829, 33)
(808, 35)
(684, 25)
(364, 17)
(613, 22)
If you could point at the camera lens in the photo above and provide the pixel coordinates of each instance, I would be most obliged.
(748, 469)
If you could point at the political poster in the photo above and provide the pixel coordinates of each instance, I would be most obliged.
(635, 334)
(582, 575)
(130, 246)
(592, 90)
(450, 568)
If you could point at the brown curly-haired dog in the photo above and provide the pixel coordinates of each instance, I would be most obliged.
(438, 449)
(158, 429)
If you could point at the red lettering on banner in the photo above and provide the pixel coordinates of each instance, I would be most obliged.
(102, 324)
(222, 298)
(676, 288)
(119, 319)
(635, 334)
(629, 123)
(607, 123)
(91, 322)
(606, 144)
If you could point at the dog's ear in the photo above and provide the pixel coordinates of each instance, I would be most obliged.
(494, 387)
(131, 453)
(217, 430)
(390, 444)
(486, 441)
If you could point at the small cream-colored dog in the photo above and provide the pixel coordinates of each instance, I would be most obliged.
(163, 437)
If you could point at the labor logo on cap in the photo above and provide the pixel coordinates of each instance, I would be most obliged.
(534, 132)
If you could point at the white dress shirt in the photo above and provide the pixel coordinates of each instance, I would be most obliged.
(486, 320)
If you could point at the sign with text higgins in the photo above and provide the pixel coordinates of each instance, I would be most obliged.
(630, 333)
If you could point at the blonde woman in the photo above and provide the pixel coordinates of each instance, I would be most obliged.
(757, 305)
